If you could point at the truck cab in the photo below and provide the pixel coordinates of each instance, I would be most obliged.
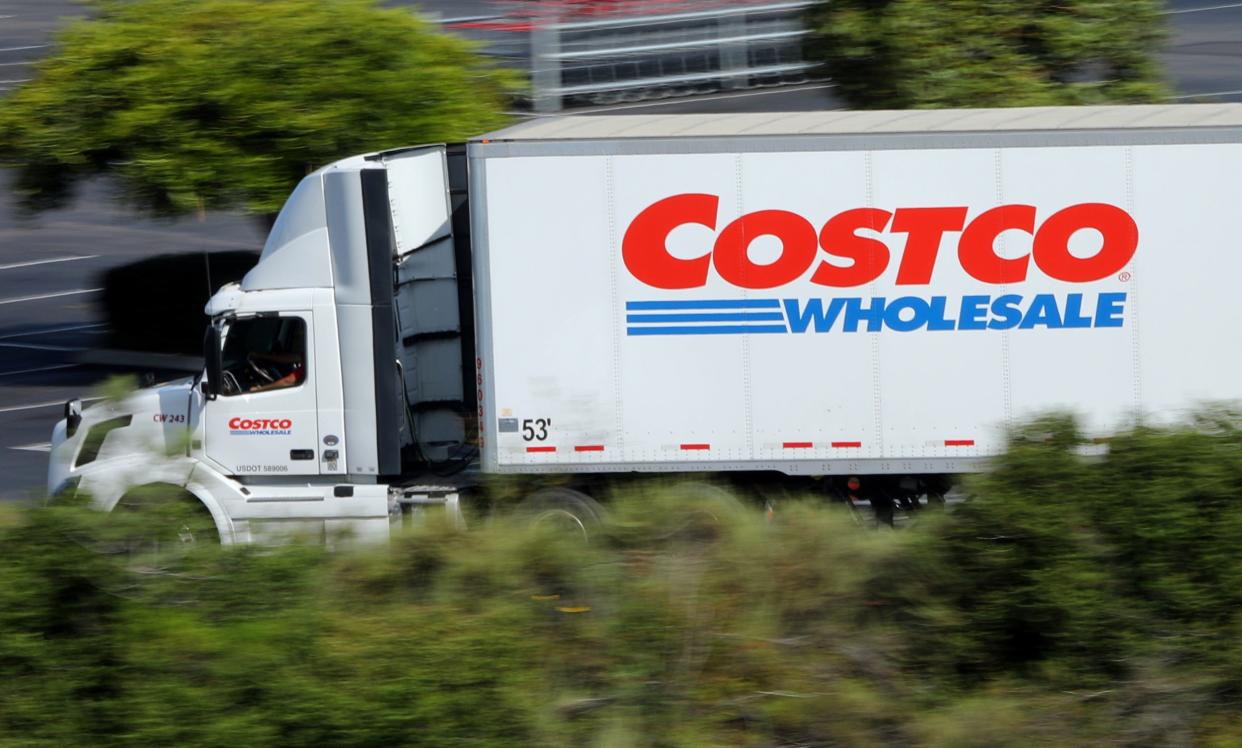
(335, 370)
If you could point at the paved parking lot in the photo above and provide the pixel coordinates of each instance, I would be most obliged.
(49, 264)
(49, 269)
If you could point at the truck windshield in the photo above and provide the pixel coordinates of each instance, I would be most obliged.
(264, 353)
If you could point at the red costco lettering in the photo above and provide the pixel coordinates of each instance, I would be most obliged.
(798, 248)
(857, 254)
(260, 424)
(644, 250)
(1051, 249)
(977, 247)
(869, 256)
(924, 228)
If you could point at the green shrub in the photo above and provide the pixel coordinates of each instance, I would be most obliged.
(1073, 600)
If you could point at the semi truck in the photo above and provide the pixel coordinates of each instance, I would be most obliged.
(827, 299)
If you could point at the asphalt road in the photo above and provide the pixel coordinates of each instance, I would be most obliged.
(49, 264)
(49, 269)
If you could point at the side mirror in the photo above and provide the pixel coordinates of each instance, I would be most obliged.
(211, 358)
(73, 416)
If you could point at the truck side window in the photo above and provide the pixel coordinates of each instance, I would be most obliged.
(264, 353)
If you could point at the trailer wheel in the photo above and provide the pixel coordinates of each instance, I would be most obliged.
(564, 509)
(704, 509)
(162, 521)
(708, 499)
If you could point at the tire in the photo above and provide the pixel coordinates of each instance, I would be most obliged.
(704, 509)
(161, 521)
(709, 495)
(564, 508)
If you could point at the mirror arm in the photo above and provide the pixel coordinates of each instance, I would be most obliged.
(211, 386)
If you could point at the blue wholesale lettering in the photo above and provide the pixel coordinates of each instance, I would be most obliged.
(972, 312)
(851, 314)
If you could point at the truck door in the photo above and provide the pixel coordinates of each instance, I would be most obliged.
(264, 421)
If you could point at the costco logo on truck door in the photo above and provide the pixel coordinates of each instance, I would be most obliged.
(845, 251)
(260, 426)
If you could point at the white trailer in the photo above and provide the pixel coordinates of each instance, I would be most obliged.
(870, 294)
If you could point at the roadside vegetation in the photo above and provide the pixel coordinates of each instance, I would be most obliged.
(191, 106)
(1074, 600)
(196, 105)
(900, 54)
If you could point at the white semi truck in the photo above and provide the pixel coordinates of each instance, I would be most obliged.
(867, 297)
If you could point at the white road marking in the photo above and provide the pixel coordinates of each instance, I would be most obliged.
(1200, 10)
(58, 294)
(40, 347)
(1208, 93)
(39, 447)
(49, 261)
(23, 62)
(32, 406)
(38, 369)
(128, 232)
(36, 406)
(52, 330)
(22, 49)
(18, 80)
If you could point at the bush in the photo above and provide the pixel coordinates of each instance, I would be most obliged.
(195, 105)
(899, 54)
(1074, 600)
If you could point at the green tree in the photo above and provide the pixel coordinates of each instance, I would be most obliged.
(220, 104)
(897, 54)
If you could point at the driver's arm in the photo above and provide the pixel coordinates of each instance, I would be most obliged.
(289, 380)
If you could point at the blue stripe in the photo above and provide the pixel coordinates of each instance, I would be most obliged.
(709, 317)
(716, 330)
(705, 304)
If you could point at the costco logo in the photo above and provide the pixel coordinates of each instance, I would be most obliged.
(260, 426)
(861, 259)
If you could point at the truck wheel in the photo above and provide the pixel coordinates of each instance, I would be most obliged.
(564, 509)
(703, 510)
(164, 521)
(711, 497)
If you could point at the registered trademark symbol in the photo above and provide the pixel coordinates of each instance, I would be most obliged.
(1124, 277)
